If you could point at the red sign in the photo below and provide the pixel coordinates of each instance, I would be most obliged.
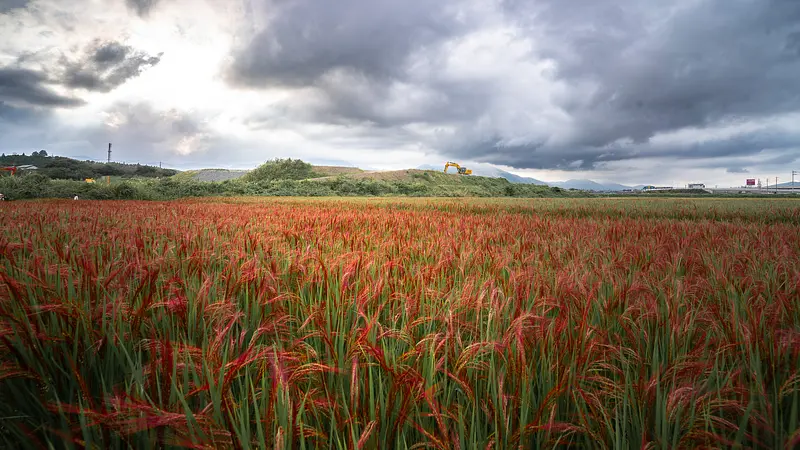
(751, 181)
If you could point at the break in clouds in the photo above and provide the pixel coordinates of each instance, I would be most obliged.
(577, 85)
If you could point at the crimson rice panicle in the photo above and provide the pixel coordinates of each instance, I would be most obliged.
(374, 323)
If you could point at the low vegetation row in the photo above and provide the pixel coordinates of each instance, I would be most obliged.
(38, 186)
(59, 177)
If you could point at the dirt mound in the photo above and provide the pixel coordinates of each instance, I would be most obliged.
(226, 174)
(430, 176)
(218, 174)
(332, 171)
(387, 175)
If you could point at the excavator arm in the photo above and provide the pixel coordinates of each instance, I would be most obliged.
(461, 170)
(12, 169)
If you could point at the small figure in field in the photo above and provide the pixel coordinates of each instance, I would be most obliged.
(76, 197)
(2, 197)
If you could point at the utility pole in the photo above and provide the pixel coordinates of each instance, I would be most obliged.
(794, 172)
(109, 152)
(776, 185)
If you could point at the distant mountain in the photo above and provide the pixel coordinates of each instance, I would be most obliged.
(616, 187)
(487, 170)
(590, 185)
(498, 173)
(585, 185)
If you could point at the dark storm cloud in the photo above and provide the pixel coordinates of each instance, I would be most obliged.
(31, 88)
(571, 158)
(8, 5)
(782, 160)
(710, 61)
(354, 54)
(106, 66)
(308, 39)
(632, 71)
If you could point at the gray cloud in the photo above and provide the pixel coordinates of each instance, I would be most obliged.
(737, 170)
(132, 119)
(139, 133)
(22, 128)
(141, 7)
(30, 87)
(106, 66)
(20, 115)
(142, 133)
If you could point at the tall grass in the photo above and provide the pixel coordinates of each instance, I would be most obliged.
(400, 324)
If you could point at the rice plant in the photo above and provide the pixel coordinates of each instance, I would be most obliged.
(247, 323)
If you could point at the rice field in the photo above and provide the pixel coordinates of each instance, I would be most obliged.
(396, 324)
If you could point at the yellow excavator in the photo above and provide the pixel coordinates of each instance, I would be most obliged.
(461, 170)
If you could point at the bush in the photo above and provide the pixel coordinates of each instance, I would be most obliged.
(281, 169)
(32, 185)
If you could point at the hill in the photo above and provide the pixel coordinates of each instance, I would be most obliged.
(488, 170)
(232, 174)
(295, 177)
(273, 178)
(58, 167)
(478, 170)
(63, 168)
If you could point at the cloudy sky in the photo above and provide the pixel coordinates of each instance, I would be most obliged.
(647, 91)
